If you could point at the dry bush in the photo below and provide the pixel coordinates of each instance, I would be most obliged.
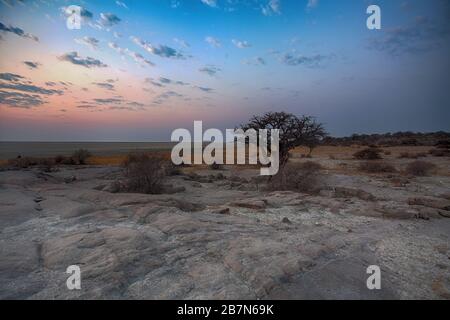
(377, 167)
(144, 173)
(47, 164)
(22, 162)
(407, 155)
(439, 152)
(420, 168)
(368, 154)
(80, 156)
(172, 170)
(302, 177)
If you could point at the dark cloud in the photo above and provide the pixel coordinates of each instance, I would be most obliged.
(159, 50)
(136, 104)
(153, 82)
(421, 36)
(105, 85)
(20, 100)
(121, 108)
(205, 89)
(10, 77)
(31, 64)
(109, 19)
(108, 101)
(308, 61)
(210, 70)
(169, 81)
(87, 62)
(29, 88)
(17, 31)
(86, 106)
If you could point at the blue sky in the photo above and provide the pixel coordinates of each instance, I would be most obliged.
(136, 70)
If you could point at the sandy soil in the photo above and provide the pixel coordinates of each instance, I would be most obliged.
(226, 238)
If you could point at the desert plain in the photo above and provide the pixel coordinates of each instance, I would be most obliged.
(222, 233)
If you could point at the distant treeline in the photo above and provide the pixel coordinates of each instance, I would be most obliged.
(392, 139)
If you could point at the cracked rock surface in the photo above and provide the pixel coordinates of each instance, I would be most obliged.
(221, 238)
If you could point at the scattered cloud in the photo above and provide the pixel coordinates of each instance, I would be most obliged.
(213, 42)
(108, 100)
(88, 41)
(31, 64)
(139, 58)
(205, 89)
(158, 50)
(256, 61)
(29, 88)
(10, 77)
(241, 44)
(109, 19)
(19, 100)
(421, 36)
(272, 7)
(169, 81)
(105, 85)
(210, 70)
(87, 62)
(153, 82)
(210, 3)
(121, 4)
(17, 31)
(314, 61)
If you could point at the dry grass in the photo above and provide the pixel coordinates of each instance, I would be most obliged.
(302, 177)
(377, 167)
(420, 168)
(371, 153)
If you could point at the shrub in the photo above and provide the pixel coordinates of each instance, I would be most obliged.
(439, 152)
(80, 156)
(302, 177)
(407, 155)
(368, 154)
(172, 170)
(420, 168)
(443, 144)
(21, 162)
(47, 164)
(377, 167)
(143, 173)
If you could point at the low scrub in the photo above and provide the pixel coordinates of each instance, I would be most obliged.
(80, 156)
(368, 154)
(302, 177)
(144, 173)
(377, 167)
(420, 168)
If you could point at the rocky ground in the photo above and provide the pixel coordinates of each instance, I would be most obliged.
(219, 235)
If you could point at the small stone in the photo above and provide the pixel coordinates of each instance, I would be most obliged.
(286, 220)
(70, 179)
(224, 211)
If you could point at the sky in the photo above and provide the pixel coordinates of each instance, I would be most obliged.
(137, 70)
